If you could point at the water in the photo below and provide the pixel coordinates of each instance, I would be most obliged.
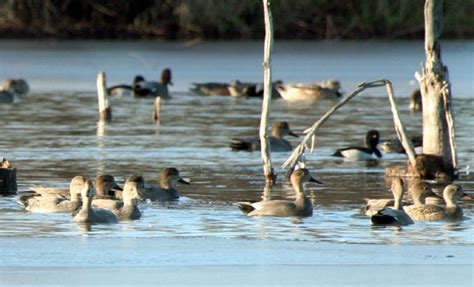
(52, 135)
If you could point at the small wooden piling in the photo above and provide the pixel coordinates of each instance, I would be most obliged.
(105, 111)
(8, 184)
(157, 110)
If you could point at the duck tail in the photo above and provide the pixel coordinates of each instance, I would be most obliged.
(24, 199)
(338, 153)
(238, 144)
(245, 207)
(382, 219)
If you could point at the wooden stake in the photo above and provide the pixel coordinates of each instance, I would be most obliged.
(157, 110)
(105, 111)
(267, 95)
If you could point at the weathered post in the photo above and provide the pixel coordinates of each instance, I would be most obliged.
(157, 110)
(438, 120)
(270, 177)
(105, 111)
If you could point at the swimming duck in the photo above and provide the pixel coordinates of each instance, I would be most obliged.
(49, 200)
(315, 91)
(301, 206)
(15, 86)
(393, 215)
(87, 214)
(277, 141)
(128, 90)
(106, 187)
(156, 89)
(211, 89)
(362, 153)
(415, 101)
(167, 189)
(429, 212)
(126, 209)
(395, 146)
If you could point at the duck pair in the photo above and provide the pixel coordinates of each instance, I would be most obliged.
(235, 89)
(11, 88)
(142, 88)
(383, 214)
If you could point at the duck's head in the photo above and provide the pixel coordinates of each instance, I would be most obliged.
(454, 192)
(16, 86)
(169, 177)
(76, 185)
(105, 185)
(166, 77)
(281, 129)
(420, 190)
(302, 175)
(372, 138)
(132, 188)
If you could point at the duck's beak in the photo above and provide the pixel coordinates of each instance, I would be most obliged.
(291, 133)
(312, 179)
(181, 180)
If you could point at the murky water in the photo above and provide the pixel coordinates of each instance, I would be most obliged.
(52, 135)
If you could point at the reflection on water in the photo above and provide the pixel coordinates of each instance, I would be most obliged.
(52, 136)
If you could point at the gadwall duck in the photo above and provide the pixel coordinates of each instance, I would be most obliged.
(395, 146)
(106, 187)
(156, 89)
(49, 200)
(295, 92)
(277, 141)
(211, 89)
(362, 153)
(301, 206)
(90, 215)
(169, 177)
(393, 215)
(429, 212)
(15, 86)
(126, 209)
(416, 101)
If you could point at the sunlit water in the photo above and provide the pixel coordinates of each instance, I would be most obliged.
(52, 135)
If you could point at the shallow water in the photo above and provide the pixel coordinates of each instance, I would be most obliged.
(52, 135)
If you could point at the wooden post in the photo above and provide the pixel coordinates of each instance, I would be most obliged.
(105, 111)
(270, 177)
(438, 122)
(157, 110)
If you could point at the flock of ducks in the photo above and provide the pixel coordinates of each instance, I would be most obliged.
(106, 202)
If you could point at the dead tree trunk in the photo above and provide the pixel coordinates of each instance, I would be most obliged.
(438, 121)
(267, 95)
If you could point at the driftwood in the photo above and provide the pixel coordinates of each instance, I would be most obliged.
(157, 110)
(298, 152)
(438, 120)
(270, 176)
(105, 111)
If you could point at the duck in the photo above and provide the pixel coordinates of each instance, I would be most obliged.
(211, 89)
(53, 200)
(429, 212)
(127, 208)
(106, 187)
(416, 101)
(277, 142)
(15, 86)
(368, 152)
(88, 214)
(155, 89)
(169, 177)
(395, 146)
(127, 90)
(313, 91)
(300, 207)
(393, 215)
